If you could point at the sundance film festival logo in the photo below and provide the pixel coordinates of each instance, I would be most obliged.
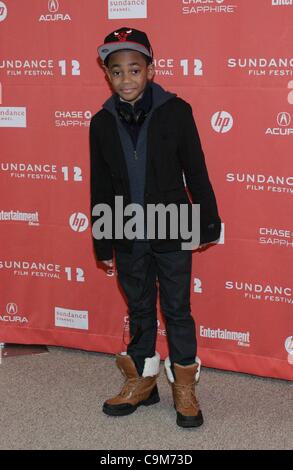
(263, 292)
(29, 170)
(3, 11)
(276, 237)
(41, 171)
(40, 67)
(118, 9)
(42, 270)
(12, 315)
(10, 116)
(283, 129)
(54, 13)
(186, 67)
(222, 122)
(262, 66)
(207, 7)
(261, 182)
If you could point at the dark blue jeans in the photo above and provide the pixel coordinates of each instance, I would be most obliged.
(140, 275)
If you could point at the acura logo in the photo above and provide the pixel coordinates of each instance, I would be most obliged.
(284, 119)
(53, 6)
(11, 308)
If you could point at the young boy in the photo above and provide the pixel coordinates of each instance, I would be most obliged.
(141, 142)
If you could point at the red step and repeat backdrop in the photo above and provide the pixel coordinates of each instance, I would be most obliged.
(232, 60)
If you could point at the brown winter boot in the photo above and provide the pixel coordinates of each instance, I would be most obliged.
(137, 390)
(183, 388)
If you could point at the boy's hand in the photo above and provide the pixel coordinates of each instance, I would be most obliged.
(203, 245)
(108, 263)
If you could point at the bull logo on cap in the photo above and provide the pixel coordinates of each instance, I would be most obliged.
(122, 35)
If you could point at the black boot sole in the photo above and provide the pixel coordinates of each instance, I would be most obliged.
(127, 409)
(189, 421)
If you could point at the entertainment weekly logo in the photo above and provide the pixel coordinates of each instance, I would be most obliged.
(32, 218)
(12, 315)
(260, 292)
(198, 7)
(54, 13)
(69, 318)
(260, 182)
(275, 237)
(42, 270)
(11, 116)
(119, 9)
(40, 67)
(241, 338)
(41, 171)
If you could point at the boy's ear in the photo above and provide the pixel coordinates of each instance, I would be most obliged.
(150, 71)
(106, 70)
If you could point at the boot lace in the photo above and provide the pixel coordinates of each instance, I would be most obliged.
(186, 395)
(128, 388)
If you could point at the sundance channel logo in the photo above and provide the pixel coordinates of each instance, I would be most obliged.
(69, 318)
(11, 116)
(119, 9)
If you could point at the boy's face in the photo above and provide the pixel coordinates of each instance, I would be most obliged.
(129, 73)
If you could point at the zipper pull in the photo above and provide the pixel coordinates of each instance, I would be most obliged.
(135, 155)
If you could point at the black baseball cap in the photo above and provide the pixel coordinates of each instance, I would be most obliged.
(125, 38)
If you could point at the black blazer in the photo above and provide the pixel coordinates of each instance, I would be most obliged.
(173, 145)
